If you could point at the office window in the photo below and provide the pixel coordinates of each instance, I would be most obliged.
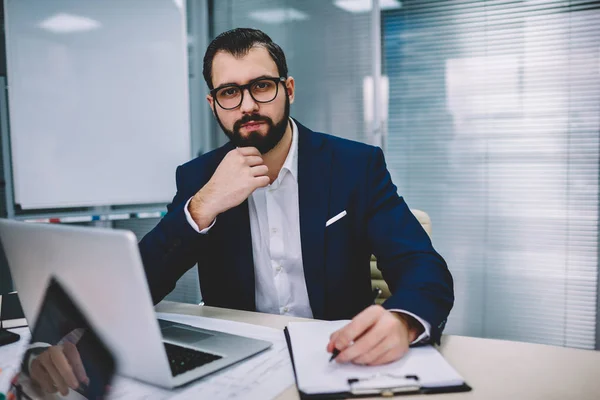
(494, 131)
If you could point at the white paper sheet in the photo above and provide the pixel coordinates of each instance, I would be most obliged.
(10, 354)
(10, 358)
(126, 388)
(317, 375)
(261, 377)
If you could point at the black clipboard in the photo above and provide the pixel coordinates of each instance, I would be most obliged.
(384, 392)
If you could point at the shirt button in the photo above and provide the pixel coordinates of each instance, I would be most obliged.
(285, 309)
(274, 231)
(278, 268)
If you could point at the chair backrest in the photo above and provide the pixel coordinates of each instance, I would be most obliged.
(376, 277)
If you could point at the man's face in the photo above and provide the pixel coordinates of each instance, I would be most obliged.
(260, 125)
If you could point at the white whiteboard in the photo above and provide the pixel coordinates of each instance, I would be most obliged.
(98, 100)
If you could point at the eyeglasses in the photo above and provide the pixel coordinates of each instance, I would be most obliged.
(262, 90)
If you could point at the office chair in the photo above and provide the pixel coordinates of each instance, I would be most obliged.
(376, 277)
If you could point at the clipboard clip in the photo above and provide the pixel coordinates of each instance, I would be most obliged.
(384, 385)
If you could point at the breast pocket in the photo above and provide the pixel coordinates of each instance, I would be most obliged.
(339, 228)
(336, 218)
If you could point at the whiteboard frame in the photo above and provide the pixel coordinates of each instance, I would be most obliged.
(14, 209)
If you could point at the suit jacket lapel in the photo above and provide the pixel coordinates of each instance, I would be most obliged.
(314, 184)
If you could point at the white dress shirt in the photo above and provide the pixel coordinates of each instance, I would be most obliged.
(280, 287)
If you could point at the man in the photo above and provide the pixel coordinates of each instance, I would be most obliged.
(284, 220)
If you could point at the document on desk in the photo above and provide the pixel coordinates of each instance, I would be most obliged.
(10, 358)
(422, 367)
(123, 388)
(260, 377)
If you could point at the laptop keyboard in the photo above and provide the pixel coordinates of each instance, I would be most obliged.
(183, 359)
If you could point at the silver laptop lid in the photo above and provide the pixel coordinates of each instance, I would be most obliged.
(104, 273)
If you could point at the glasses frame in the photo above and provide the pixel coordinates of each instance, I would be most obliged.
(243, 88)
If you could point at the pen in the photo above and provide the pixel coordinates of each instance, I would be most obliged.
(376, 294)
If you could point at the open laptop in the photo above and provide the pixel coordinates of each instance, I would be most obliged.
(103, 271)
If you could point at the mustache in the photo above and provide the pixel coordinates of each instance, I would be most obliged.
(251, 118)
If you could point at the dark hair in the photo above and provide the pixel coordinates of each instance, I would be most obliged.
(238, 43)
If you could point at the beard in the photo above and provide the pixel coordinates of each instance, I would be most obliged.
(264, 143)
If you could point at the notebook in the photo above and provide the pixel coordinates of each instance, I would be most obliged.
(422, 370)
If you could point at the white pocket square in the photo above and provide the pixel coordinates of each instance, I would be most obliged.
(336, 218)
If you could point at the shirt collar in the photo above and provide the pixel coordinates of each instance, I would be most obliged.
(291, 161)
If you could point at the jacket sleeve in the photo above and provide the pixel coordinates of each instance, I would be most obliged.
(172, 247)
(416, 274)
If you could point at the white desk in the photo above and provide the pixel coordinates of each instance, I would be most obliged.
(495, 369)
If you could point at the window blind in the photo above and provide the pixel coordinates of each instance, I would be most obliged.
(494, 131)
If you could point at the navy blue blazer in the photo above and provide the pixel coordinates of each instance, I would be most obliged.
(334, 175)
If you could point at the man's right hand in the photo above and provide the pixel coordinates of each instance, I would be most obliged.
(241, 172)
(59, 368)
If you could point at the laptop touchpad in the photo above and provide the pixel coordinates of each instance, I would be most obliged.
(184, 335)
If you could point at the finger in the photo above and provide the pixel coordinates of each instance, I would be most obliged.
(76, 363)
(365, 343)
(261, 181)
(392, 355)
(54, 361)
(248, 151)
(331, 344)
(359, 324)
(59, 359)
(40, 376)
(388, 344)
(332, 339)
(55, 377)
(254, 160)
(259, 170)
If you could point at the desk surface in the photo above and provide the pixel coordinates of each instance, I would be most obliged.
(496, 369)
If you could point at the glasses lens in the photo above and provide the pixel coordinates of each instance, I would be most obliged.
(229, 97)
(264, 90)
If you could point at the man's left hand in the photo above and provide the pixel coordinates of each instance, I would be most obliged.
(375, 336)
